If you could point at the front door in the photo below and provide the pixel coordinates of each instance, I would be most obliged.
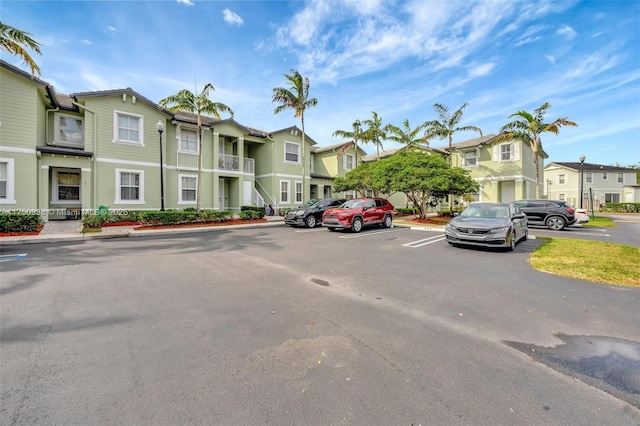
(507, 191)
(247, 193)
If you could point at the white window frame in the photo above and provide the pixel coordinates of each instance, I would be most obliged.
(140, 199)
(298, 194)
(604, 176)
(297, 145)
(620, 177)
(562, 179)
(589, 177)
(500, 158)
(10, 187)
(56, 130)
(180, 200)
(180, 148)
(54, 186)
(349, 158)
(349, 195)
(116, 133)
(286, 192)
(562, 196)
(475, 158)
(610, 195)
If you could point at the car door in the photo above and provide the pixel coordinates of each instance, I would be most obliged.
(519, 220)
(536, 211)
(369, 212)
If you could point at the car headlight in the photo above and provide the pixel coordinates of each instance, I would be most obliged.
(300, 213)
(451, 228)
(343, 214)
(499, 230)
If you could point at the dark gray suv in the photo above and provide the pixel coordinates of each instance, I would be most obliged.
(553, 214)
(310, 216)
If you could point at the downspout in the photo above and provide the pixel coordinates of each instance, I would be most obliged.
(273, 184)
(95, 154)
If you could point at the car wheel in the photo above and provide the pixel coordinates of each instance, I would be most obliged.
(387, 221)
(311, 221)
(525, 237)
(356, 225)
(512, 242)
(556, 223)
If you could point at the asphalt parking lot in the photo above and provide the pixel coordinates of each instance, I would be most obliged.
(304, 326)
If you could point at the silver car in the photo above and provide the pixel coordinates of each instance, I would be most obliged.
(488, 225)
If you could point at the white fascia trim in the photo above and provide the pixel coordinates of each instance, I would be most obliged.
(85, 170)
(17, 150)
(266, 176)
(503, 178)
(127, 162)
(289, 176)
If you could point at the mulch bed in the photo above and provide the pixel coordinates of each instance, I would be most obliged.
(436, 220)
(105, 225)
(21, 234)
(198, 225)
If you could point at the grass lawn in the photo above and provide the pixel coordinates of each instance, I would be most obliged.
(600, 221)
(595, 261)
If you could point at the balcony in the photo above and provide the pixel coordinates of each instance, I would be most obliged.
(232, 163)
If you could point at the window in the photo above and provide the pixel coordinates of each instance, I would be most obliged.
(350, 195)
(561, 179)
(298, 192)
(6, 181)
(188, 189)
(620, 177)
(128, 128)
(506, 152)
(561, 197)
(469, 159)
(68, 130)
(284, 191)
(611, 198)
(189, 141)
(66, 186)
(348, 162)
(129, 186)
(291, 152)
(604, 175)
(589, 177)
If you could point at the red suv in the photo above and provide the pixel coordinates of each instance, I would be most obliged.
(357, 213)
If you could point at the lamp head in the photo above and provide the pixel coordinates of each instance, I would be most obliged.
(160, 126)
(582, 158)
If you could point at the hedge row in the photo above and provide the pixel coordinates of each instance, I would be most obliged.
(19, 222)
(258, 212)
(621, 208)
(168, 217)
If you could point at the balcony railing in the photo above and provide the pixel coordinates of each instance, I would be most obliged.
(232, 163)
(187, 160)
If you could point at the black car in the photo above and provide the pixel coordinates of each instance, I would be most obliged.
(553, 214)
(310, 216)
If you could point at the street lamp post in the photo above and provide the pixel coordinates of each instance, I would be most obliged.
(160, 127)
(582, 158)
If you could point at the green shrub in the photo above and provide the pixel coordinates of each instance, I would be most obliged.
(405, 210)
(91, 221)
(19, 222)
(621, 208)
(259, 210)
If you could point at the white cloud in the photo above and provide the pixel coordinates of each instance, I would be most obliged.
(185, 2)
(232, 18)
(551, 59)
(87, 42)
(111, 28)
(481, 70)
(567, 32)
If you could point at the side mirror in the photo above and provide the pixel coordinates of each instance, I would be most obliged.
(455, 214)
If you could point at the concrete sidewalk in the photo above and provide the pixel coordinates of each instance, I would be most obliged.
(71, 230)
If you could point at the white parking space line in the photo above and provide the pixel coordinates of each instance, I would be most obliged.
(568, 234)
(424, 241)
(304, 231)
(370, 234)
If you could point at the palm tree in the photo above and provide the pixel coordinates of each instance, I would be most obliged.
(199, 104)
(528, 127)
(446, 127)
(356, 135)
(375, 133)
(295, 97)
(15, 42)
(406, 136)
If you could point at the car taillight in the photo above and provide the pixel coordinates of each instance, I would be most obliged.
(571, 211)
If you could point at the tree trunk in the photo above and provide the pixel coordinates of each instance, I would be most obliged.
(304, 168)
(536, 162)
(198, 183)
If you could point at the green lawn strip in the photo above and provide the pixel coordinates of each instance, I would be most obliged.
(90, 230)
(600, 221)
(596, 261)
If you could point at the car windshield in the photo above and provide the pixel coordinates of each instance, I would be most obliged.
(485, 211)
(353, 204)
(309, 203)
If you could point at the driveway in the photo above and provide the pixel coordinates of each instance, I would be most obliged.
(289, 326)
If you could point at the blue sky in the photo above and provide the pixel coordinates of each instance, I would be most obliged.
(397, 58)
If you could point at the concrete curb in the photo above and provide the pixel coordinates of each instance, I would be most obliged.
(58, 238)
